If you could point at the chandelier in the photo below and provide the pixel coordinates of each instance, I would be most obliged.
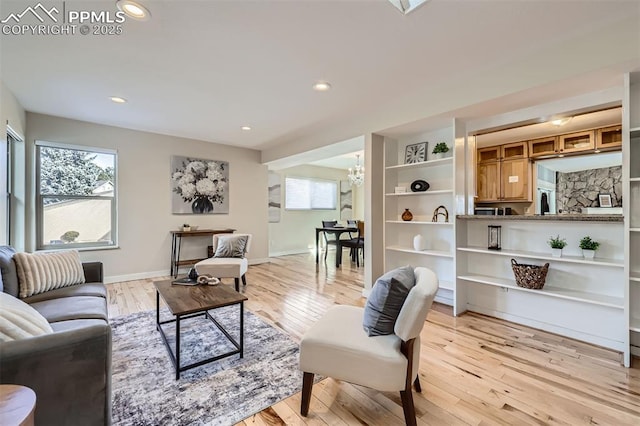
(356, 176)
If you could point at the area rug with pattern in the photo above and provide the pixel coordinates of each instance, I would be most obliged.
(146, 392)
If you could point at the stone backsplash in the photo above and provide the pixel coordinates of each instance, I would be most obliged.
(581, 189)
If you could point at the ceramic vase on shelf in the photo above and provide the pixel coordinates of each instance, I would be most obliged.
(407, 215)
(556, 252)
(588, 254)
(418, 243)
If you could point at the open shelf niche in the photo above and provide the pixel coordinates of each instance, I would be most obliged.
(438, 252)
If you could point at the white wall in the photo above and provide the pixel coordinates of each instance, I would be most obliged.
(295, 233)
(144, 193)
(12, 114)
(358, 202)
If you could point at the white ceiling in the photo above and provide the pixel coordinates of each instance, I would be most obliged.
(202, 69)
(344, 161)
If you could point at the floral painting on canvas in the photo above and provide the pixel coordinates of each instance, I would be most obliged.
(199, 186)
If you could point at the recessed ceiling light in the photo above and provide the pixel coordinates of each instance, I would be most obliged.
(561, 121)
(118, 99)
(322, 86)
(134, 10)
(246, 128)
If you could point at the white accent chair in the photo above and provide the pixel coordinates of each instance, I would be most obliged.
(337, 346)
(226, 267)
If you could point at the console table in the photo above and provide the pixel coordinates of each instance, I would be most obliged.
(176, 243)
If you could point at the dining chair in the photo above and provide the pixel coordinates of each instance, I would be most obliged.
(356, 244)
(352, 223)
(330, 239)
(338, 346)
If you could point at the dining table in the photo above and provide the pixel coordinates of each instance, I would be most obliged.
(337, 231)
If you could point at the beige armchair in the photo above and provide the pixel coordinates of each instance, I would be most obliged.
(337, 346)
(226, 267)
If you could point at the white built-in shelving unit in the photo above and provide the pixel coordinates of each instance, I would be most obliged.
(596, 301)
(583, 299)
(439, 251)
(631, 206)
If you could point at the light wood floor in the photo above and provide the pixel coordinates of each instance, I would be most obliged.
(475, 370)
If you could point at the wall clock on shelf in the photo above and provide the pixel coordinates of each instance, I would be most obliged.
(415, 153)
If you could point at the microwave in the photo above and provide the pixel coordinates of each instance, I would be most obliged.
(492, 211)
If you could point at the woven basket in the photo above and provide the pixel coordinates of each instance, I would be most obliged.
(529, 276)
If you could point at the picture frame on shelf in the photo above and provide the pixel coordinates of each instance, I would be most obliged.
(604, 200)
(415, 153)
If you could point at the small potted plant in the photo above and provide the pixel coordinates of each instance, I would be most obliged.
(557, 244)
(440, 150)
(589, 247)
(186, 227)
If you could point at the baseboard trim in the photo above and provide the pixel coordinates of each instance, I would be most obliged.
(288, 252)
(164, 273)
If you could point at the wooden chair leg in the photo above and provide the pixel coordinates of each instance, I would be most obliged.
(408, 407)
(244, 280)
(407, 397)
(237, 281)
(307, 385)
(416, 384)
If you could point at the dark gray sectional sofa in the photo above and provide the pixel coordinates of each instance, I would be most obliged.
(70, 369)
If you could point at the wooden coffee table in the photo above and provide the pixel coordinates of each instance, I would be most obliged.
(191, 301)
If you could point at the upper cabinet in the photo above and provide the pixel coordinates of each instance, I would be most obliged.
(605, 139)
(489, 155)
(503, 173)
(513, 151)
(488, 181)
(543, 147)
(609, 138)
(575, 142)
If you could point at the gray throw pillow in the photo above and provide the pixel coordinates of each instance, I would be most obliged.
(386, 300)
(232, 246)
(8, 270)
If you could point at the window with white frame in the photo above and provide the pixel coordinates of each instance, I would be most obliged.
(76, 196)
(310, 194)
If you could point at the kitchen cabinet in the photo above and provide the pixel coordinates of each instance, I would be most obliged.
(543, 147)
(489, 154)
(488, 181)
(512, 151)
(506, 179)
(575, 142)
(609, 138)
(515, 180)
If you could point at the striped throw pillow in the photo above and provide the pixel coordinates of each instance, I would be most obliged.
(40, 272)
